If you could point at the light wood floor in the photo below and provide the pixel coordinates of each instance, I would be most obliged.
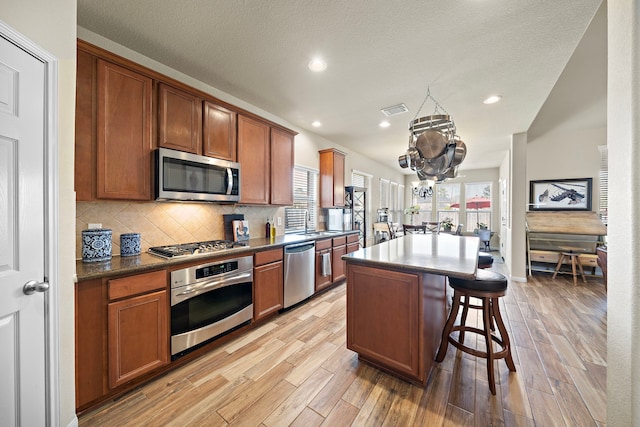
(296, 370)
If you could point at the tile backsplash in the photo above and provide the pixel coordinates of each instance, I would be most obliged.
(166, 223)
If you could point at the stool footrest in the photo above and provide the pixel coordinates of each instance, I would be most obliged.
(500, 354)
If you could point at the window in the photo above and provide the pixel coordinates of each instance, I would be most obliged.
(478, 205)
(448, 202)
(305, 190)
(360, 179)
(603, 205)
(397, 214)
(384, 193)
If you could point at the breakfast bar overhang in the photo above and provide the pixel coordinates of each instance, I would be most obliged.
(397, 299)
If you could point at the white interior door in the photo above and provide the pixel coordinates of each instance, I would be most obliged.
(22, 238)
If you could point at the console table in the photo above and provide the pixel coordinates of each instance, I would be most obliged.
(551, 233)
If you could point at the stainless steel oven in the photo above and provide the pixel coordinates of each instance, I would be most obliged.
(209, 300)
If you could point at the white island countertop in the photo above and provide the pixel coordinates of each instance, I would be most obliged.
(444, 254)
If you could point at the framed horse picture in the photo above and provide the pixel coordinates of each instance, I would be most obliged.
(560, 195)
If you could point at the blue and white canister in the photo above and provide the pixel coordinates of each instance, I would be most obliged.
(96, 245)
(130, 244)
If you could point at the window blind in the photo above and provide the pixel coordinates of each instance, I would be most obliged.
(358, 180)
(603, 205)
(305, 190)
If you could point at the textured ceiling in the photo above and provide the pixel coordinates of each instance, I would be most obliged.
(379, 53)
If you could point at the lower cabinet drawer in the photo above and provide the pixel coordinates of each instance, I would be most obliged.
(588, 260)
(544, 256)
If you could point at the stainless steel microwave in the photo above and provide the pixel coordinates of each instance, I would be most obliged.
(186, 176)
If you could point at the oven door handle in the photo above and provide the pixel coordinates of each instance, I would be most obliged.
(216, 283)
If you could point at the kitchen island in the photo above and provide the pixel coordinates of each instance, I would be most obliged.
(397, 299)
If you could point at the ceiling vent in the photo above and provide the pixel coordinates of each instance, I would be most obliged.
(394, 110)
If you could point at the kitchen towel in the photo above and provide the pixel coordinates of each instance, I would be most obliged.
(326, 264)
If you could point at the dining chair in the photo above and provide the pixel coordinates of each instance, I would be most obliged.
(414, 229)
(432, 226)
(485, 238)
(386, 229)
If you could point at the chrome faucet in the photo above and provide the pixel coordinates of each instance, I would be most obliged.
(307, 218)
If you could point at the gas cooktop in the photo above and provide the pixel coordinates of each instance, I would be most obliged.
(195, 248)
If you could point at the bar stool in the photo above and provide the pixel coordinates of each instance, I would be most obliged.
(488, 286)
(574, 258)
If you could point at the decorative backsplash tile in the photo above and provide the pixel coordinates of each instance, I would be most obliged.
(165, 223)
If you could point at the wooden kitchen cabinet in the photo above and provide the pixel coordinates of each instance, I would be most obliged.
(338, 266)
(268, 283)
(122, 333)
(352, 243)
(323, 281)
(219, 132)
(138, 336)
(331, 178)
(282, 158)
(179, 120)
(124, 135)
(90, 341)
(138, 325)
(266, 159)
(85, 131)
(254, 158)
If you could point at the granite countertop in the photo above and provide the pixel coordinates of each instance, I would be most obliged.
(443, 254)
(144, 262)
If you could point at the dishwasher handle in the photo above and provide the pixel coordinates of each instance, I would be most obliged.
(303, 247)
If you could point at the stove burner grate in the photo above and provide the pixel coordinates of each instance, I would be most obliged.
(194, 248)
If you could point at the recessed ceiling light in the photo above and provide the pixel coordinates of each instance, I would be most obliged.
(384, 124)
(492, 99)
(317, 65)
(316, 124)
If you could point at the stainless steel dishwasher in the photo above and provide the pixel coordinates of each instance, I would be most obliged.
(299, 272)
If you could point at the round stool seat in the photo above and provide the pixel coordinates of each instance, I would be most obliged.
(485, 281)
(485, 259)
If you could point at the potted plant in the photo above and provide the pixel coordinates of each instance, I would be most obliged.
(482, 226)
(447, 224)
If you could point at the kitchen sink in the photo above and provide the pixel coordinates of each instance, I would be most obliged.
(320, 233)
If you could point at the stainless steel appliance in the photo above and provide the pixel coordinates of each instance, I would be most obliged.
(299, 272)
(209, 300)
(195, 248)
(335, 219)
(186, 176)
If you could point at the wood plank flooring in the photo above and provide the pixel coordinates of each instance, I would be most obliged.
(295, 370)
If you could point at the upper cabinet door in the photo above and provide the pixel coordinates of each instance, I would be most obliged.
(254, 159)
(219, 132)
(124, 140)
(85, 144)
(282, 161)
(179, 120)
(331, 178)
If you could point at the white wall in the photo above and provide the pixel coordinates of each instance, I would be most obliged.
(567, 154)
(623, 295)
(505, 212)
(52, 25)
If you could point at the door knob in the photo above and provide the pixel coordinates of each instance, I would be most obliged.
(34, 286)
